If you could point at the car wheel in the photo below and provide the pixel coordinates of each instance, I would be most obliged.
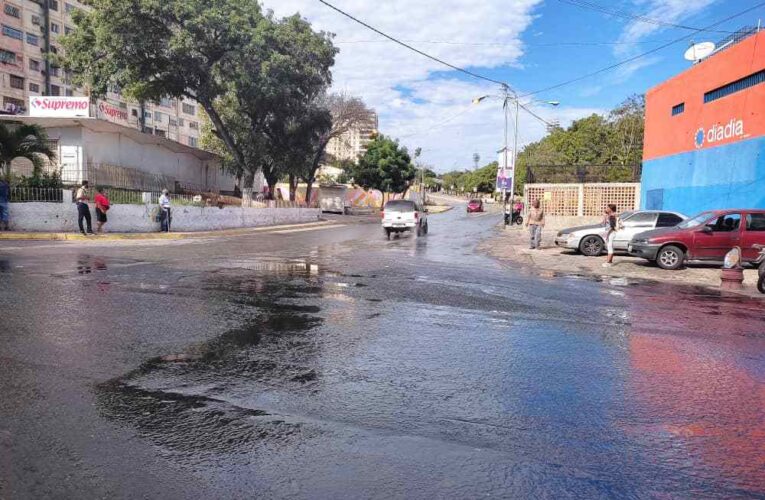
(519, 221)
(670, 258)
(591, 246)
(387, 234)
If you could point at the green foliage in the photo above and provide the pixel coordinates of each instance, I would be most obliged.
(484, 179)
(45, 180)
(616, 139)
(24, 141)
(385, 166)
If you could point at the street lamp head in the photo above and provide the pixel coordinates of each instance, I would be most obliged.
(478, 100)
(553, 103)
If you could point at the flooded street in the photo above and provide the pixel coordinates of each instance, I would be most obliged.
(335, 364)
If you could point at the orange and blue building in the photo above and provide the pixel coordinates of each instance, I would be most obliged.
(704, 144)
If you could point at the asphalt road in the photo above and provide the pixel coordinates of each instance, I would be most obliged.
(333, 364)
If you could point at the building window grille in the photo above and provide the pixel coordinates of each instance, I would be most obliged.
(16, 82)
(189, 109)
(53, 4)
(737, 86)
(12, 10)
(36, 20)
(7, 57)
(33, 39)
(194, 125)
(34, 87)
(55, 90)
(677, 109)
(68, 30)
(34, 65)
(12, 33)
(54, 28)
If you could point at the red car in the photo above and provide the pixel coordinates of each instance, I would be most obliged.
(474, 206)
(704, 238)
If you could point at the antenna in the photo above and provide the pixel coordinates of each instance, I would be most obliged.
(699, 51)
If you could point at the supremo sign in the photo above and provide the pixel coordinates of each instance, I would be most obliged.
(734, 129)
(59, 106)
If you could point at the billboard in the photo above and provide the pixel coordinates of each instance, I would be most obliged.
(59, 107)
(505, 171)
(111, 112)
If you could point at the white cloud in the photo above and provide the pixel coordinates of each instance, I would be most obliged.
(413, 104)
(667, 11)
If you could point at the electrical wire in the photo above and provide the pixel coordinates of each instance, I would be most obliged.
(499, 44)
(634, 17)
(639, 56)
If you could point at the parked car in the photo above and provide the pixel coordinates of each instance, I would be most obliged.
(590, 240)
(704, 238)
(399, 216)
(475, 206)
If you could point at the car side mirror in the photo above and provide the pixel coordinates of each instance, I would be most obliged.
(706, 230)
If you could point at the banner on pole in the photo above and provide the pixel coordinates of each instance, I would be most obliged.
(505, 171)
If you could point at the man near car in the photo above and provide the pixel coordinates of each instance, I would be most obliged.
(83, 210)
(535, 223)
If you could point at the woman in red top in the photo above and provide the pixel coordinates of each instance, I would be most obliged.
(102, 206)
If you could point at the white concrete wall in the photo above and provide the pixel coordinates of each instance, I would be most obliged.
(62, 217)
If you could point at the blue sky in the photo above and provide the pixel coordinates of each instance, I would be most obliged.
(522, 42)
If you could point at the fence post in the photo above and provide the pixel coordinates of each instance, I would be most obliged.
(580, 206)
(66, 196)
(146, 198)
(638, 196)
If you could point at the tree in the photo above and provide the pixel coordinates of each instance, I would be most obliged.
(24, 141)
(346, 113)
(385, 166)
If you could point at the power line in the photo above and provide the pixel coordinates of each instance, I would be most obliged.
(499, 44)
(639, 56)
(404, 44)
(633, 17)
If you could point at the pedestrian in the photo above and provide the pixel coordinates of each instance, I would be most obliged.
(164, 211)
(612, 224)
(5, 196)
(535, 223)
(102, 206)
(83, 210)
(517, 208)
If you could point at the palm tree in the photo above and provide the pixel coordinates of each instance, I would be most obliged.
(24, 141)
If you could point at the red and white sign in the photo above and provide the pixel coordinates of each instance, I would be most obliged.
(111, 112)
(61, 107)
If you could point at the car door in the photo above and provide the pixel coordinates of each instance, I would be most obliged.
(754, 234)
(716, 238)
(636, 223)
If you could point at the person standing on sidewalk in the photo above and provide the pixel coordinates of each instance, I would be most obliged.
(102, 206)
(83, 210)
(535, 222)
(5, 197)
(611, 221)
(164, 211)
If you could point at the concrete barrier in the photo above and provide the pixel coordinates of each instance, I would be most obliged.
(62, 217)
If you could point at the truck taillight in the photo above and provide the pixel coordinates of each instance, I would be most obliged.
(382, 214)
(417, 216)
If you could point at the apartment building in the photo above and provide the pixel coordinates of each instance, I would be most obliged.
(353, 144)
(29, 29)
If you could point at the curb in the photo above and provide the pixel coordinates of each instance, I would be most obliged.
(12, 236)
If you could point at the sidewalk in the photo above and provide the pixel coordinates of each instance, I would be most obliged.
(16, 236)
(511, 245)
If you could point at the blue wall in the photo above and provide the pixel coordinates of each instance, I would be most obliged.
(730, 176)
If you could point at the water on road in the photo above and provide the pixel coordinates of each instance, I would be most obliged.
(334, 364)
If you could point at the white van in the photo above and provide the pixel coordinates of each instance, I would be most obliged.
(404, 215)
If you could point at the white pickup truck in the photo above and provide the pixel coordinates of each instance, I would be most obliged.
(399, 216)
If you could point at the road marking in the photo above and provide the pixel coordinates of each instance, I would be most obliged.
(304, 229)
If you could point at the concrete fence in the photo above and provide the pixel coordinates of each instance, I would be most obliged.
(62, 217)
(583, 200)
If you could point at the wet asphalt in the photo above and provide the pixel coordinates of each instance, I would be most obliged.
(334, 364)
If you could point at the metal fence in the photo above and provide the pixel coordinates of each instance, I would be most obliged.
(32, 194)
(581, 174)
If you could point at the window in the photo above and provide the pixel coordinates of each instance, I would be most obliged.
(12, 33)
(123, 105)
(7, 57)
(68, 30)
(737, 86)
(193, 125)
(33, 87)
(36, 20)
(193, 142)
(134, 112)
(55, 90)
(181, 122)
(147, 115)
(189, 109)
(16, 82)
(755, 222)
(54, 28)
(12, 10)
(69, 8)
(34, 65)
(160, 133)
(69, 92)
(725, 223)
(166, 102)
(159, 117)
(173, 122)
(53, 4)
(676, 110)
(55, 71)
(13, 105)
(640, 219)
(33, 39)
(668, 220)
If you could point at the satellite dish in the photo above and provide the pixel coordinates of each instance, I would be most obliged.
(699, 51)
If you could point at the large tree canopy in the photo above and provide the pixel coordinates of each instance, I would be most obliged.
(385, 166)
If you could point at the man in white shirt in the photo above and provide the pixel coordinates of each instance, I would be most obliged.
(83, 210)
(164, 211)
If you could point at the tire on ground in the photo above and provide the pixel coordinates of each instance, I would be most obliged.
(591, 246)
(670, 257)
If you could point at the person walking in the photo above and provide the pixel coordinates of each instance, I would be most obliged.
(611, 222)
(5, 197)
(164, 211)
(535, 223)
(83, 210)
(102, 206)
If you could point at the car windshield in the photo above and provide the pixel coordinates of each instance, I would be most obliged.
(400, 206)
(473, 202)
(695, 221)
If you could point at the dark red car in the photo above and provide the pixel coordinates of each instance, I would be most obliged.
(474, 206)
(704, 238)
